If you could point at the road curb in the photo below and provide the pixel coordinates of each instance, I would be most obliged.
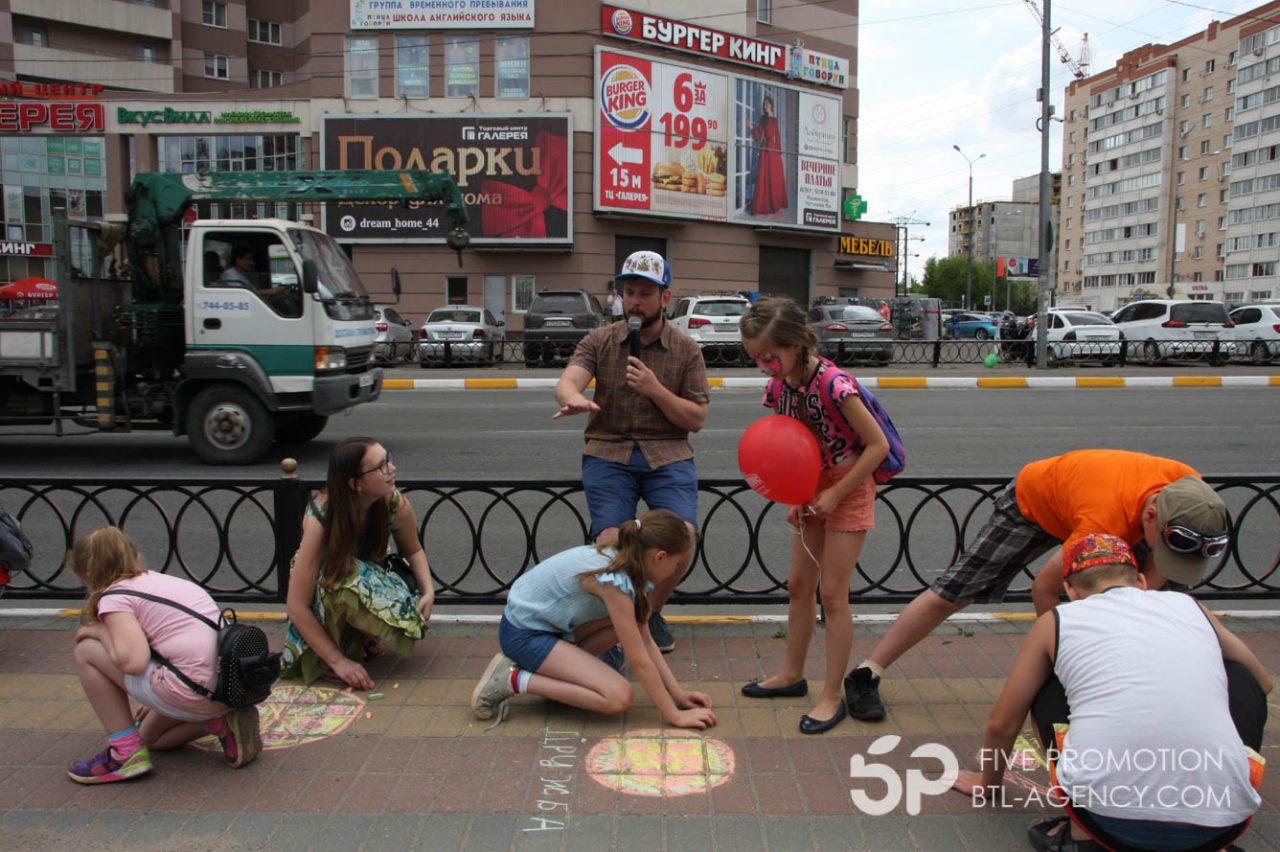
(887, 382)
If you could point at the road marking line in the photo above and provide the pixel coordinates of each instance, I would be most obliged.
(891, 382)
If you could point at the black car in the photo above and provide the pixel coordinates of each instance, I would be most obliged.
(556, 321)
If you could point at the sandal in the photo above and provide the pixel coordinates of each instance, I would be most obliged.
(1045, 838)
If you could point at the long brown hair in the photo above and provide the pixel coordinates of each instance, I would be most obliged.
(779, 320)
(101, 558)
(345, 530)
(660, 529)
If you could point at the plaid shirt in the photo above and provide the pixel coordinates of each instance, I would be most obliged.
(626, 417)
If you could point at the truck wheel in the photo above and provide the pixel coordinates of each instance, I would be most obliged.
(300, 427)
(227, 424)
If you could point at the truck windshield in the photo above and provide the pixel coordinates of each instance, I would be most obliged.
(344, 297)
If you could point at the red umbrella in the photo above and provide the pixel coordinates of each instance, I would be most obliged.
(30, 288)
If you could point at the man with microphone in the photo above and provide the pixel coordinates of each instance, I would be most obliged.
(651, 392)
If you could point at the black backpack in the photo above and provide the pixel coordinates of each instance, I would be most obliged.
(246, 666)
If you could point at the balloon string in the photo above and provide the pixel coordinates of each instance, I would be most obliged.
(799, 530)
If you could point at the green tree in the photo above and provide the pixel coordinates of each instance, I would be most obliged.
(944, 278)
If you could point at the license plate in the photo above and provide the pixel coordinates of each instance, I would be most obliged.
(365, 380)
(451, 335)
(725, 327)
(560, 322)
(1203, 335)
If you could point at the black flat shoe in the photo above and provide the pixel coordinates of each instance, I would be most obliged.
(799, 689)
(810, 725)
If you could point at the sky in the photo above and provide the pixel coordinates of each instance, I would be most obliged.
(938, 73)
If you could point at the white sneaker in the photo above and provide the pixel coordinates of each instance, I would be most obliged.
(494, 687)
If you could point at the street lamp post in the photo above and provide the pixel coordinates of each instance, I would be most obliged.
(968, 270)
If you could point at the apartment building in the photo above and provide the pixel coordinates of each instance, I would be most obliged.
(1149, 152)
(1003, 229)
(562, 122)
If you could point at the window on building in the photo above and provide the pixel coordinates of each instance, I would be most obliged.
(261, 78)
(1222, 223)
(1073, 115)
(1231, 86)
(1229, 114)
(216, 66)
(1204, 147)
(1231, 57)
(455, 290)
(846, 139)
(274, 153)
(764, 11)
(1204, 173)
(1209, 65)
(1071, 136)
(1202, 200)
(1184, 126)
(1071, 180)
(511, 58)
(1182, 178)
(1208, 93)
(146, 53)
(362, 67)
(1068, 223)
(213, 13)
(413, 78)
(1182, 152)
(1200, 227)
(1223, 195)
(264, 32)
(1206, 120)
(1186, 74)
(32, 35)
(1068, 245)
(462, 66)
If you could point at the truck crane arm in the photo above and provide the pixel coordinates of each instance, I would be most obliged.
(157, 201)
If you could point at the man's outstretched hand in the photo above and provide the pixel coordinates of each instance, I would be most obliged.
(577, 404)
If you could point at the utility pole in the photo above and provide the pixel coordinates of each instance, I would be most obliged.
(903, 224)
(973, 232)
(1046, 222)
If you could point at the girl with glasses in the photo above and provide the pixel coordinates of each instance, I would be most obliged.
(344, 607)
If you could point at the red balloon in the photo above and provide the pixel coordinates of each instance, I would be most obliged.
(780, 459)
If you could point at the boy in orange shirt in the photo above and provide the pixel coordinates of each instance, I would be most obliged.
(1159, 505)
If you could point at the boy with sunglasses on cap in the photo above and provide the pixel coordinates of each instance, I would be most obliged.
(1186, 777)
(1159, 505)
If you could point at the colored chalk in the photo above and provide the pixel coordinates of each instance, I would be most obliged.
(374, 696)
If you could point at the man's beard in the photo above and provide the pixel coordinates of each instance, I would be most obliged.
(647, 321)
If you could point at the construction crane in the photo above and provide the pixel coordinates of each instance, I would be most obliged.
(1079, 67)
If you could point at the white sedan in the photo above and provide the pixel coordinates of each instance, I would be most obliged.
(1257, 332)
(1083, 336)
(460, 333)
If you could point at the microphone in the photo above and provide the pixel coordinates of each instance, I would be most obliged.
(633, 323)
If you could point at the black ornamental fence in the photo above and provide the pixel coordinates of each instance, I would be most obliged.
(868, 352)
(236, 537)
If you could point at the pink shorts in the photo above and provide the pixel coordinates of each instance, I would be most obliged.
(856, 512)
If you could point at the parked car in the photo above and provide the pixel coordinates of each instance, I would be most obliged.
(556, 321)
(970, 324)
(394, 337)
(1257, 332)
(463, 332)
(1158, 329)
(712, 321)
(1076, 335)
(849, 333)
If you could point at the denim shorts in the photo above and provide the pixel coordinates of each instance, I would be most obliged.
(529, 649)
(614, 490)
(144, 692)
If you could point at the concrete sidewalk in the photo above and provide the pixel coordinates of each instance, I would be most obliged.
(411, 768)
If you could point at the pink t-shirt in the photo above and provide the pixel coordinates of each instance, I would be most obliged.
(837, 439)
(189, 644)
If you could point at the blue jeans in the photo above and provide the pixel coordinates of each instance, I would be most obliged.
(614, 490)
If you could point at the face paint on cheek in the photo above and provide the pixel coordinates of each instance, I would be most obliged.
(771, 367)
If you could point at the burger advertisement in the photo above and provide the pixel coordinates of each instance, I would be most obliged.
(663, 137)
(679, 141)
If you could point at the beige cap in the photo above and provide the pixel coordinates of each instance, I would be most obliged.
(1192, 503)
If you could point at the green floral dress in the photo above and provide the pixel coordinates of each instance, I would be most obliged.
(369, 602)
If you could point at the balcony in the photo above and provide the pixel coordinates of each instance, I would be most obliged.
(51, 63)
(134, 19)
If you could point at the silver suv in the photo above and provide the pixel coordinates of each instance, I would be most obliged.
(556, 321)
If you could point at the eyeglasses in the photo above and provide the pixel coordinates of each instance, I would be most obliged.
(1182, 539)
(384, 466)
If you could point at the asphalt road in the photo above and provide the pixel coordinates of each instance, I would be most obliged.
(509, 434)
